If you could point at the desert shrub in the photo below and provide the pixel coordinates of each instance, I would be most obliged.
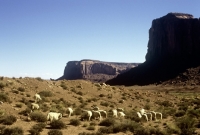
(18, 105)
(8, 120)
(104, 104)
(63, 86)
(91, 128)
(180, 113)
(21, 89)
(165, 103)
(172, 129)
(37, 128)
(168, 111)
(4, 97)
(101, 95)
(85, 125)
(46, 93)
(149, 131)
(55, 132)
(80, 93)
(24, 100)
(39, 79)
(75, 122)
(107, 122)
(25, 112)
(105, 130)
(12, 131)
(44, 107)
(147, 106)
(186, 125)
(38, 116)
(77, 111)
(57, 124)
(194, 113)
(2, 85)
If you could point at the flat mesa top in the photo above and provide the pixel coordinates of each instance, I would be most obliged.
(182, 15)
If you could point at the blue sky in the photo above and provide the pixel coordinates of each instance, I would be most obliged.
(38, 37)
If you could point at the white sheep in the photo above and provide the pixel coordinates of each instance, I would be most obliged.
(53, 116)
(34, 106)
(121, 114)
(114, 112)
(96, 114)
(120, 109)
(142, 111)
(88, 114)
(140, 115)
(155, 113)
(103, 113)
(37, 97)
(70, 111)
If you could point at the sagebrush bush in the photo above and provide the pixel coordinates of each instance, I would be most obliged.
(37, 128)
(75, 122)
(38, 116)
(25, 112)
(91, 128)
(180, 113)
(39, 79)
(186, 125)
(8, 120)
(12, 131)
(77, 111)
(2, 85)
(21, 89)
(55, 132)
(107, 122)
(46, 93)
(4, 97)
(57, 124)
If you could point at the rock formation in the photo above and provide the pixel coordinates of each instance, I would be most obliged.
(174, 46)
(94, 70)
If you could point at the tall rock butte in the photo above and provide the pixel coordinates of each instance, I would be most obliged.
(173, 46)
(94, 70)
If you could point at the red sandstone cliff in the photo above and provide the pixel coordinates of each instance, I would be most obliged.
(94, 70)
(173, 47)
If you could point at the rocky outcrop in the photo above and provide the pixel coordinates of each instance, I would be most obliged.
(173, 47)
(94, 70)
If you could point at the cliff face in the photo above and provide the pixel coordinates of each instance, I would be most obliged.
(94, 70)
(174, 46)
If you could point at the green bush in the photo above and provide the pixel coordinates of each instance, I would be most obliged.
(107, 122)
(25, 112)
(18, 105)
(39, 79)
(91, 128)
(21, 89)
(12, 131)
(38, 116)
(2, 85)
(180, 113)
(75, 122)
(186, 125)
(8, 120)
(77, 111)
(46, 93)
(37, 128)
(57, 124)
(4, 97)
(55, 132)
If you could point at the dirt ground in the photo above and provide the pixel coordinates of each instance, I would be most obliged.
(77, 91)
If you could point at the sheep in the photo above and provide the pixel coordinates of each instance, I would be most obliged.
(96, 114)
(155, 113)
(37, 98)
(142, 111)
(120, 109)
(53, 116)
(88, 114)
(70, 111)
(140, 115)
(34, 106)
(114, 111)
(121, 114)
(103, 113)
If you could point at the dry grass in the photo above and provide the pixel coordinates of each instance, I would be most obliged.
(84, 94)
